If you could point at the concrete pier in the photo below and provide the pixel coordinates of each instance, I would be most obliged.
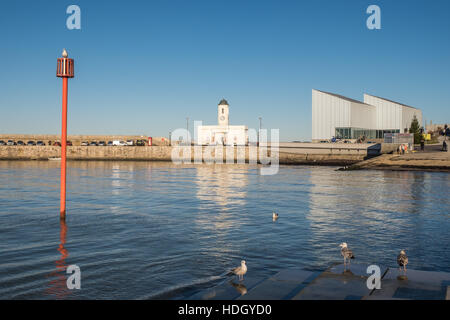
(335, 283)
(433, 161)
(304, 153)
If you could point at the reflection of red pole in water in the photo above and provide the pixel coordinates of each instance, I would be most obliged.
(64, 70)
(62, 243)
(58, 285)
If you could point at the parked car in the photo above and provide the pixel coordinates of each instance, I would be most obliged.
(57, 143)
(20, 143)
(110, 143)
(11, 143)
(92, 143)
(119, 143)
(85, 143)
(31, 143)
(102, 143)
(130, 143)
(2, 143)
(140, 143)
(40, 143)
(69, 143)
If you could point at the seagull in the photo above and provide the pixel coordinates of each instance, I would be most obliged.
(64, 53)
(346, 252)
(274, 216)
(240, 271)
(402, 260)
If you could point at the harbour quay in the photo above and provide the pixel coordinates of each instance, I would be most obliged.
(79, 140)
(287, 153)
(335, 283)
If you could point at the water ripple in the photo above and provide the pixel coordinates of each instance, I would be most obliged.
(143, 230)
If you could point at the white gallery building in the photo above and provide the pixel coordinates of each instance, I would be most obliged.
(223, 133)
(334, 115)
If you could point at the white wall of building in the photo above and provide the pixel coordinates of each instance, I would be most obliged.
(362, 115)
(388, 114)
(328, 112)
(223, 115)
(222, 133)
(392, 115)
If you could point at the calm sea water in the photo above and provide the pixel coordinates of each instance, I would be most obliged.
(143, 230)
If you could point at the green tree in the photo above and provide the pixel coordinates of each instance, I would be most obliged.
(415, 129)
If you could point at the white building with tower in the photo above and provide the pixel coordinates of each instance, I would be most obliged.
(334, 115)
(223, 133)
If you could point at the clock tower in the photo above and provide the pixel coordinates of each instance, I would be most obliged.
(223, 113)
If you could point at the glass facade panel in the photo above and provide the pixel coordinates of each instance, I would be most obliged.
(357, 133)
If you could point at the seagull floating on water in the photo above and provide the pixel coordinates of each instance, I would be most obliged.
(240, 271)
(274, 216)
(402, 260)
(346, 252)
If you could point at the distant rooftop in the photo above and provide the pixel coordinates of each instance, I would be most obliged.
(223, 102)
(344, 98)
(405, 105)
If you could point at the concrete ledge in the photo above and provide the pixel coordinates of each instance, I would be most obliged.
(164, 153)
(282, 286)
(230, 289)
(335, 283)
(338, 283)
(414, 285)
(424, 162)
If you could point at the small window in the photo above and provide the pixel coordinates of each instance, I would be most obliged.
(223, 110)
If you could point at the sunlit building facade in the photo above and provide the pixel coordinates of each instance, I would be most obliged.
(337, 116)
(223, 133)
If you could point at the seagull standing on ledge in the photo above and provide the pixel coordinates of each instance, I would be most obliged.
(402, 260)
(346, 252)
(240, 271)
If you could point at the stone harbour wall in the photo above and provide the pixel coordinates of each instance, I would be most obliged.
(164, 153)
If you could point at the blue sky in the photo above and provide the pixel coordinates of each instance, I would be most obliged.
(142, 67)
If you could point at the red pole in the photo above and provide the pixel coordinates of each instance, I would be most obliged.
(63, 150)
(65, 70)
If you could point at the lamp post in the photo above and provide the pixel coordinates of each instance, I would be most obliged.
(259, 131)
(64, 70)
(187, 129)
